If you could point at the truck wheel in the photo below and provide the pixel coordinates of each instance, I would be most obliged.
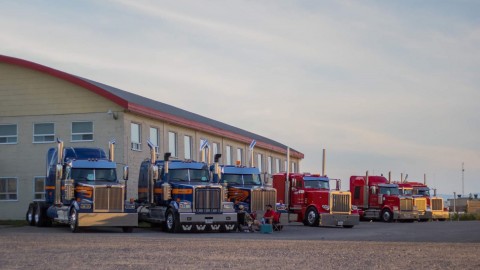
(127, 229)
(73, 220)
(172, 224)
(40, 215)
(30, 215)
(387, 215)
(311, 217)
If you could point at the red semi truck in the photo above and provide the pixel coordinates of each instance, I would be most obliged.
(376, 198)
(310, 198)
(434, 205)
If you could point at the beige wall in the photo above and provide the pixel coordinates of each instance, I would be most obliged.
(28, 97)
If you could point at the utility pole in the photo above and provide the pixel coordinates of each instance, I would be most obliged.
(463, 173)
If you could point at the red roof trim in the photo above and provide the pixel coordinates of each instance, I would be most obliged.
(138, 108)
(64, 76)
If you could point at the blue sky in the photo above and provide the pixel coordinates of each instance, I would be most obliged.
(382, 85)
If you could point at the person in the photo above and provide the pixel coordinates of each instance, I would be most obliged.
(269, 214)
(250, 224)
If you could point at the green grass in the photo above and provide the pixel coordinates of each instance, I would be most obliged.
(466, 216)
(13, 223)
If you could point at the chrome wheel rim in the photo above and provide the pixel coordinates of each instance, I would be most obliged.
(170, 221)
(311, 217)
(386, 216)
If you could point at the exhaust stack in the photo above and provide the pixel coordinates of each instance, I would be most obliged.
(111, 150)
(425, 179)
(59, 171)
(323, 163)
(389, 177)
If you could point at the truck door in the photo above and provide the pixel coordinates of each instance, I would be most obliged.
(297, 192)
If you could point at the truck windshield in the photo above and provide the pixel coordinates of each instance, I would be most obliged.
(423, 192)
(239, 179)
(188, 175)
(319, 184)
(83, 174)
(389, 190)
(406, 191)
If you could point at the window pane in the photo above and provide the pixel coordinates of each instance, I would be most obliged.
(259, 162)
(269, 169)
(215, 148)
(3, 185)
(8, 130)
(135, 133)
(172, 143)
(82, 127)
(12, 185)
(39, 184)
(240, 155)
(43, 129)
(154, 136)
(188, 146)
(228, 154)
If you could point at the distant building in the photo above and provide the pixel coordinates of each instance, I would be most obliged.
(39, 104)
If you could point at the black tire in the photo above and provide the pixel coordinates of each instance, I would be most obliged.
(387, 215)
(172, 224)
(312, 218)
(30, 214)
(40, 216)
(73, 220)
(348, 226)
(127, 229)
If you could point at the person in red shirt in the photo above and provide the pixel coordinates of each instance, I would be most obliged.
(269, 214)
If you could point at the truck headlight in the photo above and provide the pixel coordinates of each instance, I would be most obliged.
(85, 206)
(326, 207)
(354, 207)
(395, 208)
(185, 205)
(228, 207)
(129, 205)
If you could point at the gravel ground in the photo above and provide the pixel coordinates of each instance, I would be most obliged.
(120, 251)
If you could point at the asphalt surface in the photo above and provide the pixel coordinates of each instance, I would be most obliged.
(374, 245)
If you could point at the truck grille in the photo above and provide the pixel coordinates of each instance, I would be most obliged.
(437, 204)
(208, 200)
(421, 204)
(340, 202)
(406, 204)
(108, 199)
(261, 197)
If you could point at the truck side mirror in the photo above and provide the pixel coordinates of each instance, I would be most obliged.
(125, 173)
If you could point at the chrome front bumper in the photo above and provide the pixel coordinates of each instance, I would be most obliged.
(108, 219)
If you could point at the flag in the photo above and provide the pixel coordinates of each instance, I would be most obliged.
(252, 144)
(203, 144)
(150, 144)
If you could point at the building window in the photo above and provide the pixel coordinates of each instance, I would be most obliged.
(82, 131)
(43, 132)
(240, 155)
(228, 155)
(8, 189)
(204, 152)
(154, 138)
(259, 162)
(293, 167)
(285, 166)
(277, 165)
(8, 134)
(136, 136)
(269, 165)
(187, 144)
(39, 188)
(172, 143)
(215, 148)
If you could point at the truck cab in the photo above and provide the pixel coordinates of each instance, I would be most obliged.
(245, 187)
(410, 189)
(376, 198)
(180, 196)
(310, 198)
(434, 204)
(82, 190)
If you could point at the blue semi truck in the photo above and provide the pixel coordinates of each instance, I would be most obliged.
(82, 190)
(179, 196)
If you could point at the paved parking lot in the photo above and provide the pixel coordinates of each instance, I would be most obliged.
(433, 245)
